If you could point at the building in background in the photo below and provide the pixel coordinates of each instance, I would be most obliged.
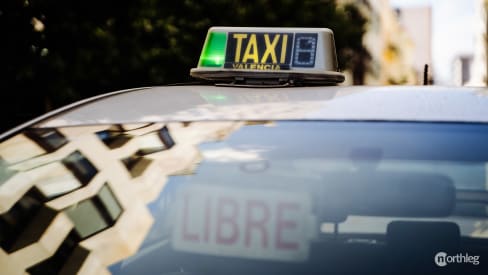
(417, 23)
(462, 70)
(391, 48)
(478, 68)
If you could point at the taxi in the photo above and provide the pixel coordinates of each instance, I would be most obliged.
(266, 165)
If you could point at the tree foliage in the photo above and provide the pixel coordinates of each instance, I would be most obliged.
(55, 52)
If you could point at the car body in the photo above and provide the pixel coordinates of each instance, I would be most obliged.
(410, 127)
(275, 170)
(193, 102)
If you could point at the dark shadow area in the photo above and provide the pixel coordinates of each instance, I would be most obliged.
(54, 53)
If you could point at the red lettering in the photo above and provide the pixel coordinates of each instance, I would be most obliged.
(282, 225)
(229, 220)
(187, 236)
(258, 224)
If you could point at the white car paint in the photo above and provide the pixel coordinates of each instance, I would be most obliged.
(199, 103)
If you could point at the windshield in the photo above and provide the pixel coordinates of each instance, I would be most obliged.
(249, 197)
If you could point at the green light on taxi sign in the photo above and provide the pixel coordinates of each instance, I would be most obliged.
(213, 54)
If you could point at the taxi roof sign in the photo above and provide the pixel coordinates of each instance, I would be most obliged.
(293, 55)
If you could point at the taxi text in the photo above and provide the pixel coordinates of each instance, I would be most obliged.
(258, 51)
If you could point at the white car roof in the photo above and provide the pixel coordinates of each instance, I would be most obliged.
(198, 103)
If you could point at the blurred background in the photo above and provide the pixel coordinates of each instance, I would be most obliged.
(53, 53)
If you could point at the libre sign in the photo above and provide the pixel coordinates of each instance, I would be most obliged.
(256, 224)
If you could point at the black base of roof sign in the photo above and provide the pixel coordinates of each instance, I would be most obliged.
(276, 77)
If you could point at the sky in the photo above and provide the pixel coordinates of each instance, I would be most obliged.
(454, 25)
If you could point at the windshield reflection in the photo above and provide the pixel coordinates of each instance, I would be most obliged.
(81, 188)
(130, 197)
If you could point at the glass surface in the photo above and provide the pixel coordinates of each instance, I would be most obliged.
(87, 218)
(264, 197)
(109, 202)
(267, 162)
